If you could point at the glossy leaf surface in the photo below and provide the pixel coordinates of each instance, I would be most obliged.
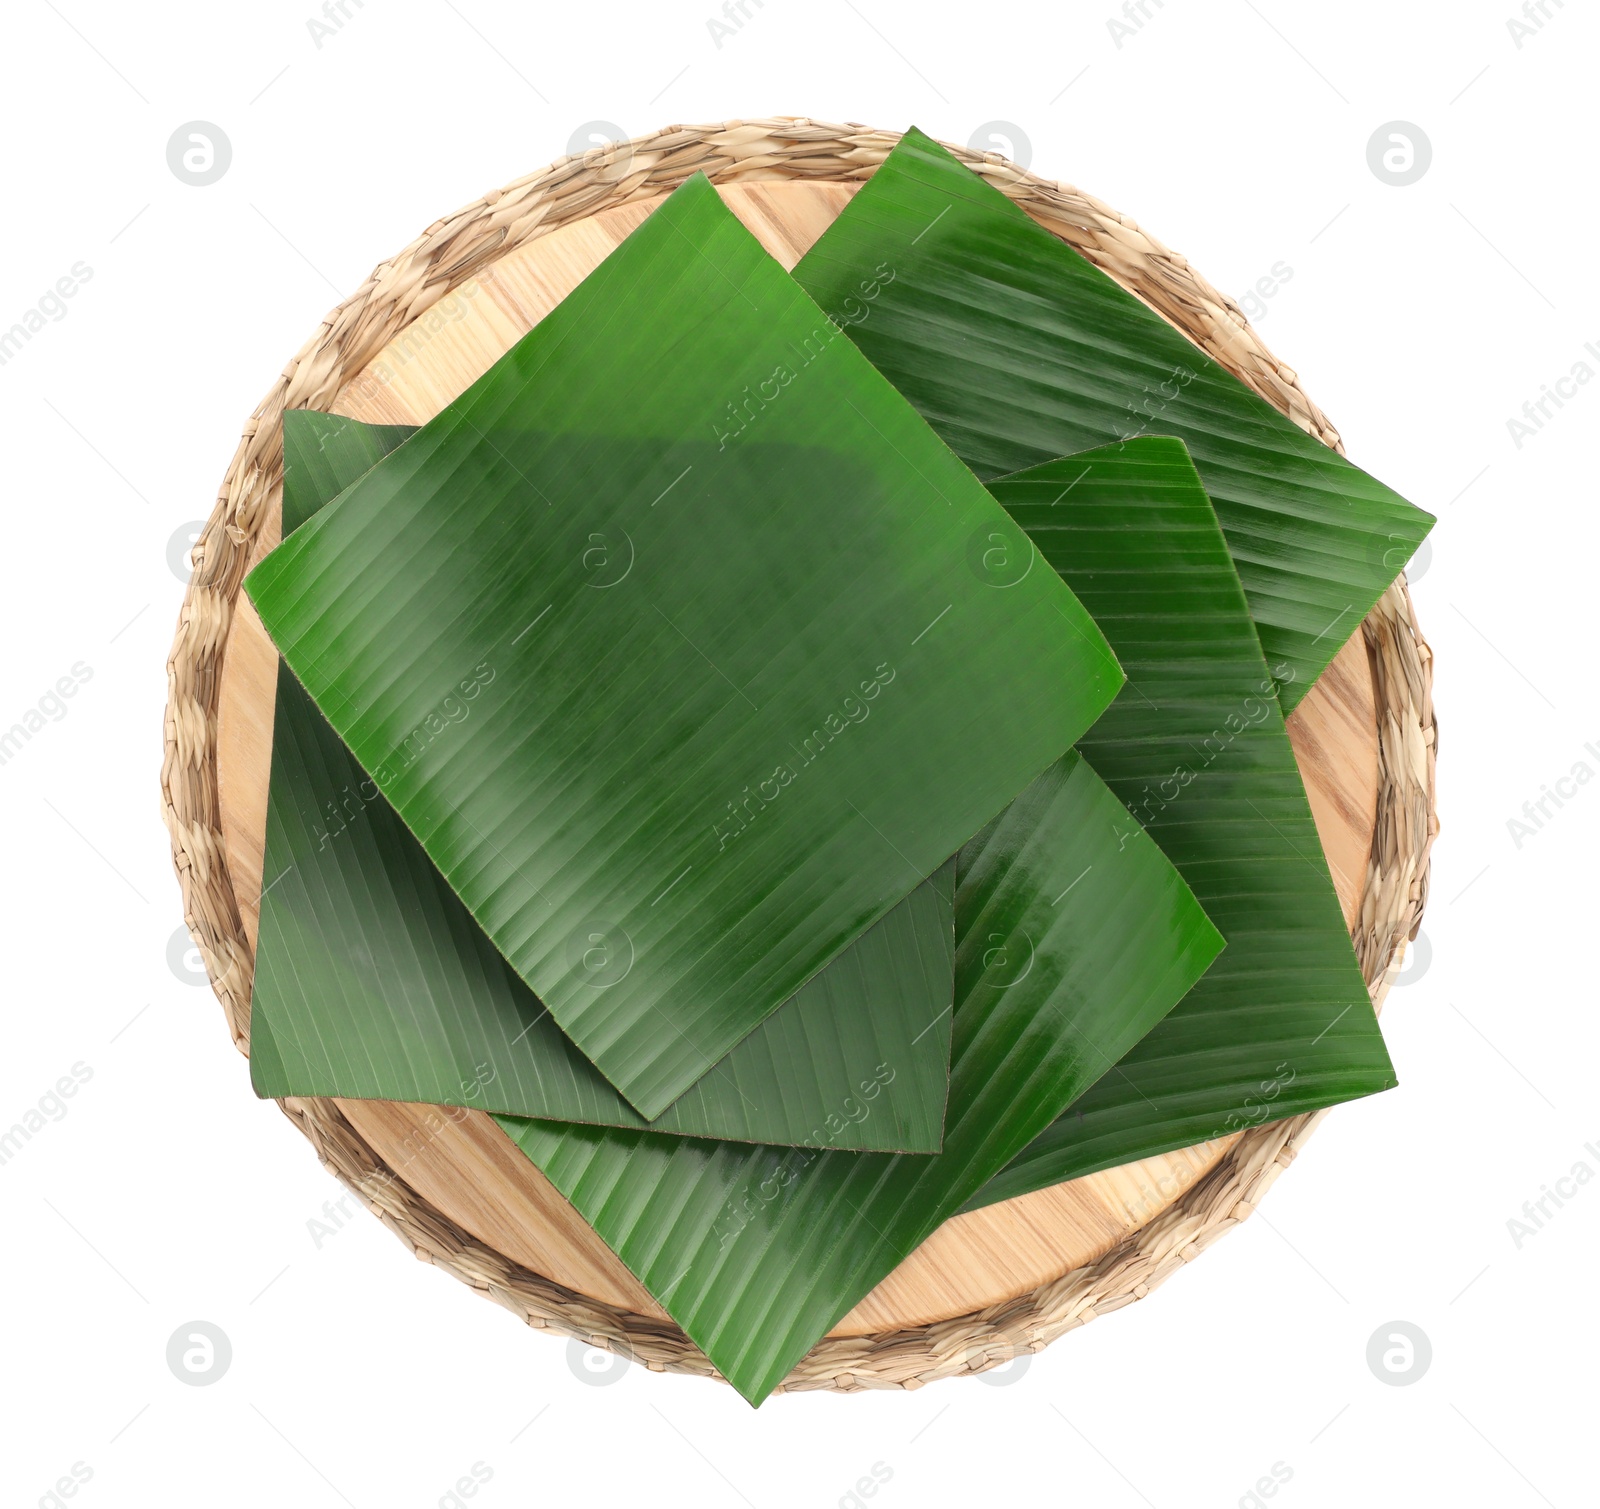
(1017, 350)
(1195, 746)
(667, 640)
(1075, 938)
(374, 982)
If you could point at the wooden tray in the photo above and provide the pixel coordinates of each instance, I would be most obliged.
(450, 1180)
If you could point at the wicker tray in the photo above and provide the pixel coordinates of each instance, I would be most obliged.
(987, 1286)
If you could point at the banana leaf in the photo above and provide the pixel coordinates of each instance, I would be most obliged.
(373, 981)
(1075, 937)
(666, 640)
(324, 453)
(1017, 350)
(1195, 747)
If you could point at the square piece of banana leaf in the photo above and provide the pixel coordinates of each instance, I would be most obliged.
(1075, 937)
(373, 981)
(669, 639)
(1195, 746)
(1017, 350)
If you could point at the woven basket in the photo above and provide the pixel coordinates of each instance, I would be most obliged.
(398, 291)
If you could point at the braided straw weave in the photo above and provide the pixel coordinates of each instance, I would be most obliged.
(398, 291)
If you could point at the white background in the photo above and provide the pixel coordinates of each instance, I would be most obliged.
(1421, 317)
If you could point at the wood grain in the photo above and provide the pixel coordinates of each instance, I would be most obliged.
(459, 1160)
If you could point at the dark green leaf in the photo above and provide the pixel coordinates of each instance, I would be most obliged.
(793, 697)
(1195, 746)
(1075, 937)
(374, 982)
(324, 453)
(1017, 350)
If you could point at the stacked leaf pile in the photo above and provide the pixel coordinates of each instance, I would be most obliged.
(807, 751)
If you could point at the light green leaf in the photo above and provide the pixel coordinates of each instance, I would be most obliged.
(1017, 350)
(1195, 746)
(668, 631)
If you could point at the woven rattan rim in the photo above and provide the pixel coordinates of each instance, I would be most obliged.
(398, 291)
